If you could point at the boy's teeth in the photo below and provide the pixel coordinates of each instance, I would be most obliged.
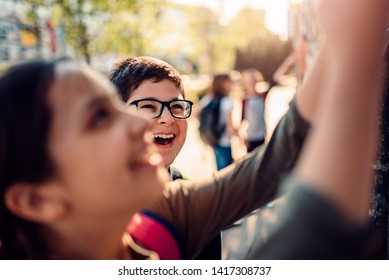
(164, 136)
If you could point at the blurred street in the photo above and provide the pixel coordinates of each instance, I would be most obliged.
(196, 160)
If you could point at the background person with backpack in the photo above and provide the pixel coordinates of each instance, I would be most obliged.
(216, 127)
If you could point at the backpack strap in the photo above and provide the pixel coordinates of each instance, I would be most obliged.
(156, 234)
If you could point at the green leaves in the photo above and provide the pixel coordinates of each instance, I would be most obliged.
(178, 33)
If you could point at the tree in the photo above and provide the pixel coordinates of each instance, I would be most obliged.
(219, 43)
(203, 32)
(264, 53)
(81, 18)
(32, 17)
(175, 32)
(130, 30)
(213, 44)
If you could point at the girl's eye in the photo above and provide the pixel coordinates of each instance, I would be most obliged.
(100, 117)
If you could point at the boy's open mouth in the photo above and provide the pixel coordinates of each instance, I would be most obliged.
(164, 139)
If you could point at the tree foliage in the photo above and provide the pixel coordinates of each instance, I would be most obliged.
(130, 30)
(82, 19)
(265, 53)
(175, 32)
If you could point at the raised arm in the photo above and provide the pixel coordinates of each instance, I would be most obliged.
(325, 213)
(338, 158)
(200, 209)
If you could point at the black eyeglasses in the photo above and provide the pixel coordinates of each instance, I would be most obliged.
(152, 108)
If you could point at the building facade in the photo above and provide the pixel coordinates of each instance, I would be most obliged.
(23, 38)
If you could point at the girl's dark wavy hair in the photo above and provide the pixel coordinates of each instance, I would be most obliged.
(25, 119)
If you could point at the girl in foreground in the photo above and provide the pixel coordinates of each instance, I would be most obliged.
(76, 166)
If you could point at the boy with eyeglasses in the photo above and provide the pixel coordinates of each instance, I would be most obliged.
(153, 88)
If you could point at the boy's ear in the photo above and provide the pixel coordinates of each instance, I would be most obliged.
(41, 204)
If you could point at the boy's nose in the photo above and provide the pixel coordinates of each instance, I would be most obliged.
(166, 116)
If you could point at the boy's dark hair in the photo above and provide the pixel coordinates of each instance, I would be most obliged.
(131, 72)
(25, 120)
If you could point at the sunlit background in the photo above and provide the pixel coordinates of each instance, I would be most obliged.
(276, 11)
(196, 36)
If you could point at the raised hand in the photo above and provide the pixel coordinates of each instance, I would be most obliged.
(353, 24)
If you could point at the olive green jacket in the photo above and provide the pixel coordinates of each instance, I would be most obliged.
(200, 209)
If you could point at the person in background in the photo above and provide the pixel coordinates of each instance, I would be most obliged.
(253, 109)
(221, 88)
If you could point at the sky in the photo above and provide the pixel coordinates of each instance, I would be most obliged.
(276, 10)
